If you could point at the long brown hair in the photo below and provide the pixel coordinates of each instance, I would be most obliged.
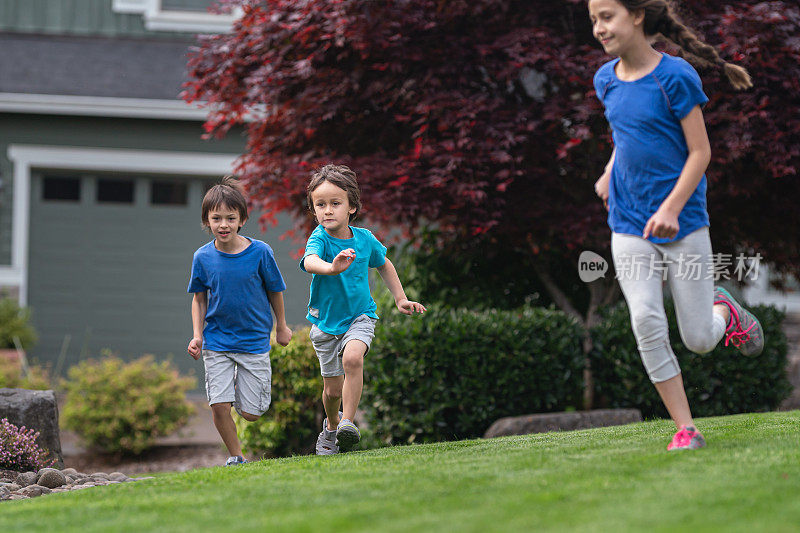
(660, 18)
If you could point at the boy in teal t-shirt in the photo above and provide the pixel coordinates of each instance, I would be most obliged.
(341, 308)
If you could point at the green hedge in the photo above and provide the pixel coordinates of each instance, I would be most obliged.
(450, 373)
(717, 383)
(294, 418)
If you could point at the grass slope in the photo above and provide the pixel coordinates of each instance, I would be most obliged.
(608, 479)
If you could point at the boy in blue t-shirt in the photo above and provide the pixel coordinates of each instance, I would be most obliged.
(234, 280)
(341, 308)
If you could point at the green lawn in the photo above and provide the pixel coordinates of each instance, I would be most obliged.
(609, 479)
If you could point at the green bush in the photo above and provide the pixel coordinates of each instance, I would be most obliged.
(123, 407)
(15, 322)
(717, 383)
(12, 375)
(450, 373)
(292, 423)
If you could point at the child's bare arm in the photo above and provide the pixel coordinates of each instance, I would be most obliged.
(392, 281)
(314, 264)
(199, 308)
(282, 332)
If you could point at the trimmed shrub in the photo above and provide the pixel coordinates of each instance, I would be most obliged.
(123, 407)
(292, 423)
(450, 374)
(18, 449)
(717, 383)
(13, 377)
(15, 322)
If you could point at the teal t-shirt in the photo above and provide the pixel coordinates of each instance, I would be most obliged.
(336, 301)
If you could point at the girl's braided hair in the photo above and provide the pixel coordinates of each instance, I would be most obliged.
(660, 18)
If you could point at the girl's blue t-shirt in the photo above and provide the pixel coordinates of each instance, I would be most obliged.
(239, 318)
(645, 117)
(336, 301)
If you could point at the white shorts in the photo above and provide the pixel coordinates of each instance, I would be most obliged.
(243, 379)
(329, 347)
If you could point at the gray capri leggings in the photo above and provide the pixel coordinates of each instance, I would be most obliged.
(687, 264)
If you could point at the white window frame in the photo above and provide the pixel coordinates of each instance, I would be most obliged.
(156, 18)
(25, 158)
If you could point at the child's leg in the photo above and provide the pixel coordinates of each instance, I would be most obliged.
(353, 362)
(639, 266)
(332, 399)
(355, 345)
(220, 370)
(326, 347)
(701, 323)
(226, 427)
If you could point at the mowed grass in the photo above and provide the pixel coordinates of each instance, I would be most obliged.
(607, 479)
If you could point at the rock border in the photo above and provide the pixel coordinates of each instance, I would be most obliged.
(27, 485)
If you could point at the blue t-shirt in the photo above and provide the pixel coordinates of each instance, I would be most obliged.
(239, 318)
(645, 117)
(337, 300)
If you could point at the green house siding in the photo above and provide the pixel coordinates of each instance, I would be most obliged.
(104, 275)
(81, 17)
(84, 17)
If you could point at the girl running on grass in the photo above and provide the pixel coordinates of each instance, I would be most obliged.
(654, 188)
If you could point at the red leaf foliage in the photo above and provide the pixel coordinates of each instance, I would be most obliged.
(480, 115)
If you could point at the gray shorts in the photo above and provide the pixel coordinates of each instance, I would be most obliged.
(243, 379)
(329, 347)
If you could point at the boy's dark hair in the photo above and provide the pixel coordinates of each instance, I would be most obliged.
(342, 177)
(660, 18)
(229, 193)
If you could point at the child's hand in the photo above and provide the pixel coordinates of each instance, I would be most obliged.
(407, 307)
(343, 260)
(663, 224)
(601, 188)
(195, 348)
(283, 335)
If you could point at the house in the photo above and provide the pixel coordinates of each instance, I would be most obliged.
(102, 171)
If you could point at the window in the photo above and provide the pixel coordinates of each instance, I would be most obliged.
(115, 191)
(168, 193)
(186, 5)
(61, 188)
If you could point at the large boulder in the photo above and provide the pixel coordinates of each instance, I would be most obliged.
(565, 421)
(38, 410)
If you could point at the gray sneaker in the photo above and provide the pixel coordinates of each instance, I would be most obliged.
(347, 435)
(235, 460)
(326, 441)
(744, 330)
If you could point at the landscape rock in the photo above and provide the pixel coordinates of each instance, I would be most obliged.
(31, 492)
(37, 410)
(51, 478)
(25, 478)
(563, 421)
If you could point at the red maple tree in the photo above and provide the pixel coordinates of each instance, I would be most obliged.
(480, 117)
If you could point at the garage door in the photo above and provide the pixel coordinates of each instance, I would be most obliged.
(109, 261)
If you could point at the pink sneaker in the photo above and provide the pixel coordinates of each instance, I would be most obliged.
(744, 330)
(687, 438)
